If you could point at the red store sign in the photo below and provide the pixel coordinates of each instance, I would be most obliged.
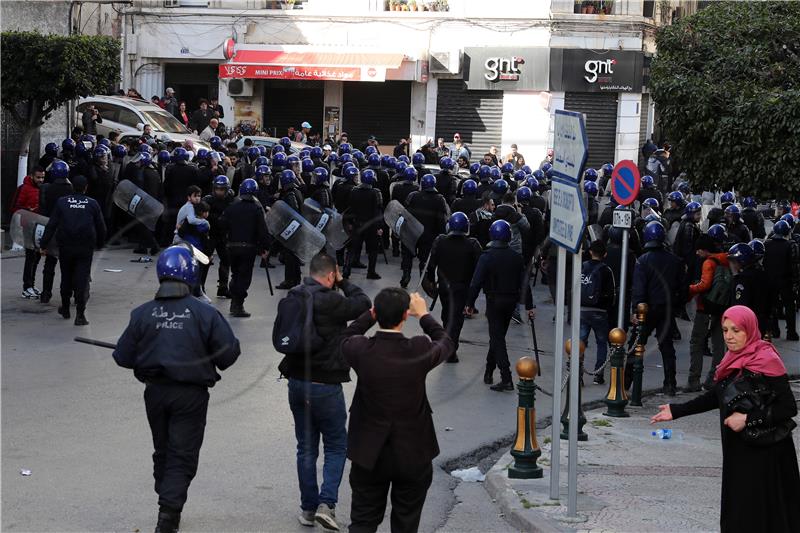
(279, 72)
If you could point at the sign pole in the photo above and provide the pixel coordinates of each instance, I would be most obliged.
(558, 352)
(575, 370)
(623, 274)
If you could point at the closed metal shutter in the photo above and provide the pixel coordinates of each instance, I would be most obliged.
(292, 102)
(601, 123)
(645, 108)
(379, 109)
(476, 115)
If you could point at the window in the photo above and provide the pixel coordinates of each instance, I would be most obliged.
(594, 7)
(649, 8)
(108, 112)
(128, 118)
(163, 121)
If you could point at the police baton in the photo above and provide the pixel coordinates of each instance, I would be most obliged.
(93, 342)
(535, 344)
(269, 279)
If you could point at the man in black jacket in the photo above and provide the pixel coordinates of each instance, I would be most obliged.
(430, 208)
(292, 196)
(175, 344)
(315, 390)
(49, 194)
(392, 440)
(366, 209)
(781, 254)
(454, 257)
(77, 223)
(246, 233)
(502, 276)
(597, 303)
(218, 201)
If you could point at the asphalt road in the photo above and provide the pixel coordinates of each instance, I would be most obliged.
(77, 421)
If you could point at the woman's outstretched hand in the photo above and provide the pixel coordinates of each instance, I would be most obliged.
(664, 414)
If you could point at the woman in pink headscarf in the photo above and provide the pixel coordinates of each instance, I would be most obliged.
(760, 479)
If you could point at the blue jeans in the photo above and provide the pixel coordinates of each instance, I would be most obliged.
(597, 321)
(318, 409)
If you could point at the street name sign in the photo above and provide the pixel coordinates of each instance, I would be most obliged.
(567, 214)
(570, 145)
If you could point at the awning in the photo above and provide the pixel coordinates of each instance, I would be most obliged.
(279, 63)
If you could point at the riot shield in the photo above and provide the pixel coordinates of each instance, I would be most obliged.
(403, 224)
(595, 232)
(672, 232)
(27, 229)
(328, 221)
(706, 209)
(294, 232)
(138, 204)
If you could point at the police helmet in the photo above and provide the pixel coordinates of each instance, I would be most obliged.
(333, 158)
(180, 154)
(278, 149)
(316, 152)
(532, 183)
(100, 151)
(346, 158)
(307, 164)
(263, 170)
(677, 197)
(202, 154)
(524, 194)
(279, 160)
(500, 187)
(368, 177)
(590, 174)
(789, 219)
(519, 175)
(120, 151)
(253, 152)
(718, 232)
(458, 223)
(262, 149)
(345, 148)
(418, 159)
(647, 181)
(500, 230)
(374, 160)
(400, 166)
(590, 188)
(782, 228)
(727, 198)
(692, 208)
(685, 188)
(51, 149)
(526, 169)
(164, 157)
(215, 142)
(350, 172)
(485, 172)
(447, 163)
(59, 169)
(470, 187)
(758, 248)
(404, 158)
(177, 263)
(358, 155)
(261, 160)
(607, 169)
(248, 186)
(507, 168)
(742, 253)
(654, 234)
(652, 203)
(495, 173)
(546, 167)
(222, 182)
(320, 175)
(410, 174)
(749, 202)
(538, 174)
(428, 182)
(285, 142)
(474, 168)
(68, 145)
(369, 150)
(733, 211)
(288, 178)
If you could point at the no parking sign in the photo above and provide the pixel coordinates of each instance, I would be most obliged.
(625, 182)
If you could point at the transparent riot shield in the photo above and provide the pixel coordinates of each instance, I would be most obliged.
(403, 224)
(138, 204)
(294, 232)
(27, 229)
(328, 221)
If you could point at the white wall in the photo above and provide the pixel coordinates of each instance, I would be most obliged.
(526, 122)
(557, 99)
(628, 116)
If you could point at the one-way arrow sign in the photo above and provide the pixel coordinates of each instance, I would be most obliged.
(570, 146)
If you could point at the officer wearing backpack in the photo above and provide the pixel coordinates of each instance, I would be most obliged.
(713, 296)
(308, 330)
(597, 302)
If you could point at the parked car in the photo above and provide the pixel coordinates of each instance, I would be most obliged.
(128, 116)
(269, 142)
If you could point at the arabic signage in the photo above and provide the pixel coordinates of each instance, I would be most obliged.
(596, 70)
(516, 69)
(281, 72)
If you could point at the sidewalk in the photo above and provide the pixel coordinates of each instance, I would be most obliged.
(628, 480)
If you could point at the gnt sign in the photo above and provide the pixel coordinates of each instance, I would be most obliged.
(503, 68)
(595, 67)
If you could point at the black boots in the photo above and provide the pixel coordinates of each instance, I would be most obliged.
(222, 292)
(487, 377)
(404, 281)
(503, 386)
(64, 311)
(237, 309)
(168, 522)
(80, 318)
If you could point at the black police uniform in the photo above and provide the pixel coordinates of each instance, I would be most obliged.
(218, 240)
(684, 247)
(779, 257)
(177, 179)
(78, 226)
(533, 238)
(175, 344)
(455, 257)
(340, 192)
(399, 190)
(49, 194)
(650, 192)
(738, 232)
(101, 184)
(754, 222)
(366, 209)
(245, 170)
(246, 233)
(383, 183)
(467, 204)
(321, 194)
(291, 264)
(501, 274)
(430, 208)
(672, 216)
(749, 288)
(657, 281)
(446, 185)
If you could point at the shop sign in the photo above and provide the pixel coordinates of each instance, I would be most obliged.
(506, 68)
(279, 72)
(596, 71)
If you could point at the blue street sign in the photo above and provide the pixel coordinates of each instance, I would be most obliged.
(625, 182)
(570, 145)
(567, 214)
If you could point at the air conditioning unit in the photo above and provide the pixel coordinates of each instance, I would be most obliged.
(448, 62)
(238, 87)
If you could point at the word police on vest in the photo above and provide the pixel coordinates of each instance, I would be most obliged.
(171, 319)
(503, 68)
(596, 66)
(77, 204)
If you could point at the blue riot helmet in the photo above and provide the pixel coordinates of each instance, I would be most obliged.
(485, 172)
(145, 159)
(546, 167)
(51, 149)
(590, 174)
(392, 162)
(647, 181)
(727, 198)
(333, 158)
(732, 212)
(789, 219)
(782, 228)
(652, 203)
(474, 168)
(718, 232)
(248, 186)
(500, 230)
(374, 160)
(404, 158)
(458, 224)
(495, 173)
(216, 143)
(500, 187)
(607, 169)
(316, 152)
(253, 153)
(692, 208)
(164, 158)
(68, 145)
(418, 159)
(538, 174)
(526, 169)
(279, 160)
(263, 170)
(262, 150)
(119, 151)
(178, 264)
(278, 149)
(320, 175)
(345, 148)
(222, 182)
(307, 165)
(742, 253)
(520, 175)
(532, 183)
(685, 188)
(470, 187)
(59, 169)
(369, 150)
(285, 142)
(180, 154)
(288, 178)
(524, 194)
(654, 234)
(261, 160)
(202, 154)
(428, 182)
(758, 248)
(507, 168)
(590, 188)
(100, 151)
(400, 166)
(676, 197)
(358, 155)
(368, 177)
(350, 172)
(410, 174)
(346, 158)
(447, 163)
(749, 202)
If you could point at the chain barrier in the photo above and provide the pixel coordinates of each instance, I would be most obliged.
(563, 384)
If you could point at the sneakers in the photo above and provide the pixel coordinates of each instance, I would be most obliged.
(326, 517)
(306, 518)
(29, 293)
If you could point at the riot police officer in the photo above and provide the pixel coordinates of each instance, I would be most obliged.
(446, 183)
(218, 201)
(400, 191)
(657, 280)
(752, 218)
(531, 239)
(382, 183)
(737, 231)
(675, 211)
(452, 264)
(179, 176)
(750, 284)
(319, 191)
(246, 235)
(49, 194)
(469, 200)
(780, 258)
(686, 238)
(175, 344)
(430, 208)
(502, 276)
(294, 199)
(77, 223)
(366, 209)
(649, 190)
(592, 207)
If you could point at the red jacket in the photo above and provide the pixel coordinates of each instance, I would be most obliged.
(707, 276)
(27, 196)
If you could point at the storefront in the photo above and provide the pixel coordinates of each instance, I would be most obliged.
(479, 107)
(336, 90)
(606, 86)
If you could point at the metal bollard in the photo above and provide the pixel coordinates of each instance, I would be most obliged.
(617, 398)
(582, 436)
(526, 449)
(638, 361)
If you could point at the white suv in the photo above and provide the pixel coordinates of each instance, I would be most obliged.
(128, 116)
